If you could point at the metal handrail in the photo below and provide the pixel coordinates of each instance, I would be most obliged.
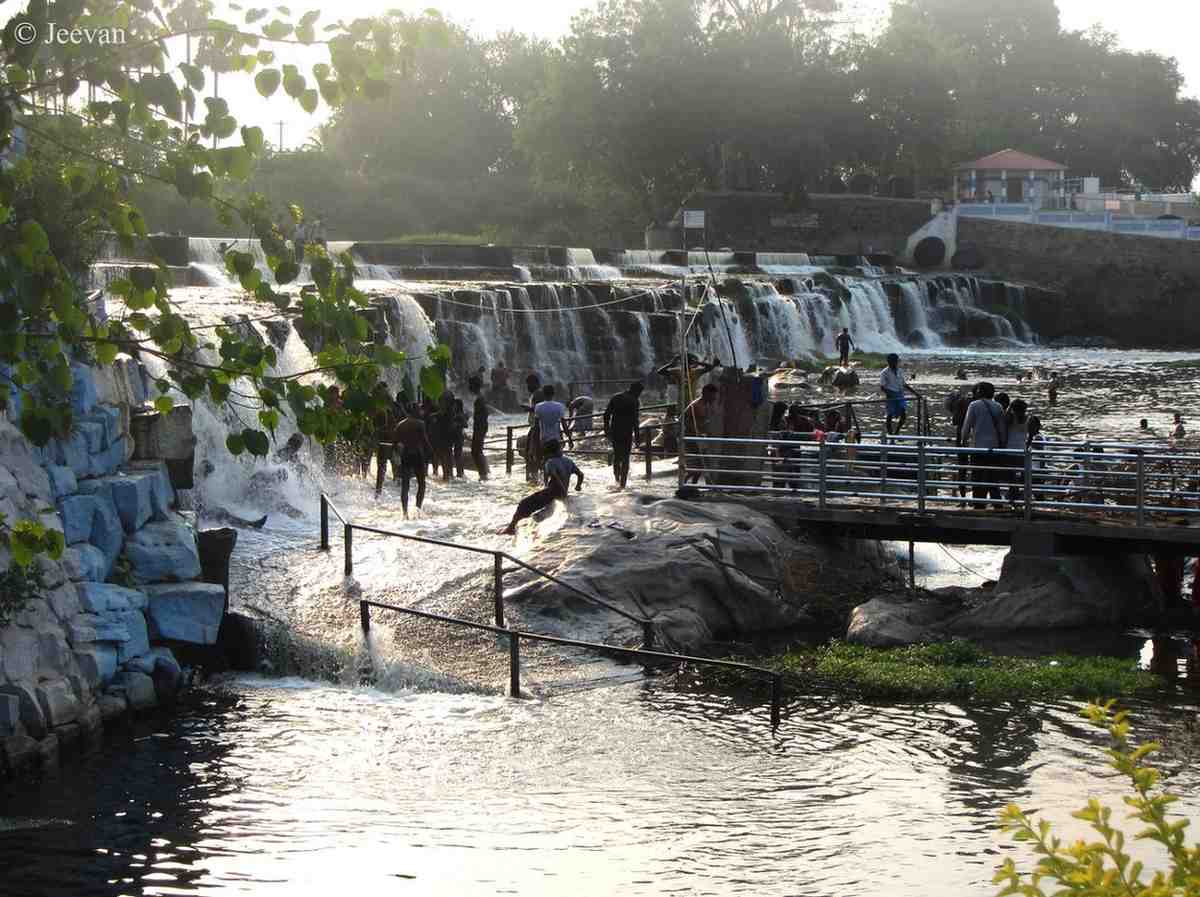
(515, 636)
(498, 557)
(1034, 479)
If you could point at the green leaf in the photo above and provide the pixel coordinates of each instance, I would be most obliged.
(164, 404)
(193, 74)
(143, 278)
(252, 139)
(106, 353)
(308, 101)
(266, 82)
(235, 443)
(257, 442)
(433, 384)
(286, 272)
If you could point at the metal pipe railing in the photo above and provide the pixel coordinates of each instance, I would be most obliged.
(515, 636)
(498, 558)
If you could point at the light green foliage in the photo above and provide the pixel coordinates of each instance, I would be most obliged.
(23, 580)
(960, 669)
(1103, 867)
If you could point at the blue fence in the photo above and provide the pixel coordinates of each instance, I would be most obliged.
(1176, 229)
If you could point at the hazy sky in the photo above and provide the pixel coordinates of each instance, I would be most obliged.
(1164, 26)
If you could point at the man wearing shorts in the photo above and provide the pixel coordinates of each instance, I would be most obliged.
(893, 384)
(621, 419)
(412, 440)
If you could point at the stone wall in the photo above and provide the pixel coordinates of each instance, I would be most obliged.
(98, 643)
(1137, 291)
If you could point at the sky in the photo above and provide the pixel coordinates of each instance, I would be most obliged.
(1164, 26)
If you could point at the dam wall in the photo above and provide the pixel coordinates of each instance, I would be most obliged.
(1133, 290)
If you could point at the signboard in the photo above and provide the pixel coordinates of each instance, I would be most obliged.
(693, 219)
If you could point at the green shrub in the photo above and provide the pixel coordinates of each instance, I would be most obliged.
(961, 669)
(1102, 868)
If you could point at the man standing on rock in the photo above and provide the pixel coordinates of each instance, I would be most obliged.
(559, 469)
(893, 384)
(844, 344)
(621, 419)
(479, 426)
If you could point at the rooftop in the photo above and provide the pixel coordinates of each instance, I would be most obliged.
(1014, 159)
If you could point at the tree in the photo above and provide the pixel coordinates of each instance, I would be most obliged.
(75, 182)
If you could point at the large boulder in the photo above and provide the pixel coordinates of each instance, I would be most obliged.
(164, 552)
(188, 612)
(1062, 592)
(701, 572)
(885, 623)
(58, 702)
(30, 711)
(845, 378)
(137, 689)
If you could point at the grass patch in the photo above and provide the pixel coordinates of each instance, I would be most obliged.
(960, 669)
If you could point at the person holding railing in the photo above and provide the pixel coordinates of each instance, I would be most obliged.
(559, 469)
(893, 384)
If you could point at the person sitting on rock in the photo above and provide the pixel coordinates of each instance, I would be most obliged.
(558, 469)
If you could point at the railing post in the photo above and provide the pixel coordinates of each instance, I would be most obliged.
(364, 616)
(822, 455)
(776, 699)
(649, 455)
(883, 444)
(514, 665)
(508, 454)
(498, 587)
(921, 476)
(1141, 489)
(324, 522)
(1029, 483)
(348, 541)
(647, 634)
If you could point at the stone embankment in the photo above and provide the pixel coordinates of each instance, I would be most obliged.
(100, 639)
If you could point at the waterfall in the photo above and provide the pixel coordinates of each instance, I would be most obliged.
(918, 331)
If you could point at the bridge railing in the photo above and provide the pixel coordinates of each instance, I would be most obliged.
(928, 473)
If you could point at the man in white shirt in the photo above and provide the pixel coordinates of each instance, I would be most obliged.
(893, 384)
(549, 415)
(984, 428)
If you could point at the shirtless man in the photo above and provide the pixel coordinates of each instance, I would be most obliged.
(413, 445)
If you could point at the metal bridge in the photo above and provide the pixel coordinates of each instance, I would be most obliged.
(1055, 497)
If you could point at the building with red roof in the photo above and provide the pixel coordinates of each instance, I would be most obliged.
(1011, 176)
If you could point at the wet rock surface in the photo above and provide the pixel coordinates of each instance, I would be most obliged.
(1034, 594)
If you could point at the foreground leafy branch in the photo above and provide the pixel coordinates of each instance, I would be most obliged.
(143, 126)
(1103, 867)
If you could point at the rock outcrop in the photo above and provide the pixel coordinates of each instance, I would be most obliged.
(702, 573)
(1033, 594)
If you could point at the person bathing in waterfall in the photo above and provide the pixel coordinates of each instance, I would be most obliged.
(412, 446)
(893, 384)
(621, 419)
(845, 342)
(559, 469)
(479, 427)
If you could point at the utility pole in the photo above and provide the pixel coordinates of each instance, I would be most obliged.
(280, 144)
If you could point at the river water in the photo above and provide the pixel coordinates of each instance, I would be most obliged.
(601, 780)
